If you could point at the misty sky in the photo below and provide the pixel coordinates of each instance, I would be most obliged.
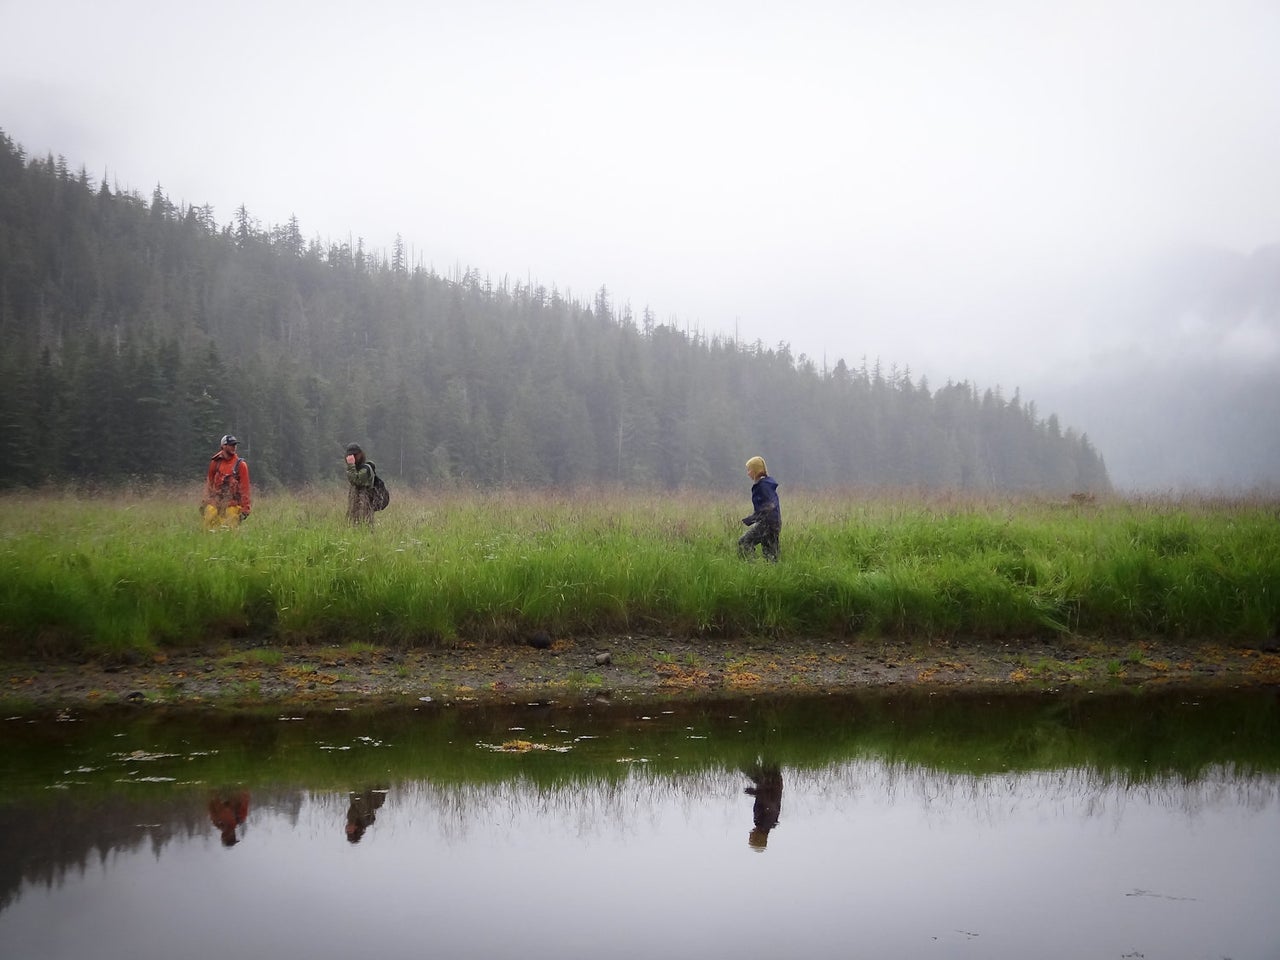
(925, 181)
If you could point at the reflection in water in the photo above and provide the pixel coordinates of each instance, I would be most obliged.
(1044, 827)
(766, 779)
(228, 810)
(1054, 864)
(362, 811)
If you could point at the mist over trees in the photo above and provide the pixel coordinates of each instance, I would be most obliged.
(1188, 398)
(137, 331)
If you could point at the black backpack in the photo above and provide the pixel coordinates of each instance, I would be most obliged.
(379, 496)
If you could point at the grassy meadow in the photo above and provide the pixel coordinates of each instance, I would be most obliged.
(134, 573)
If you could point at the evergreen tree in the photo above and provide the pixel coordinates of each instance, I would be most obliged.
(126, 316)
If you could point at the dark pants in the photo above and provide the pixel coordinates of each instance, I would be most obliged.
(765, 534)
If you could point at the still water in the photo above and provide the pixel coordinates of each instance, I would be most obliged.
(1120, 826)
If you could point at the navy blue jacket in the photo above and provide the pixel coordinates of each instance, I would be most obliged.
(764, 500)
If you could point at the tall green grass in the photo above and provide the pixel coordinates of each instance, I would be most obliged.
(138, 573)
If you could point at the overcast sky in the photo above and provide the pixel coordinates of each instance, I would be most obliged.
(923, 181)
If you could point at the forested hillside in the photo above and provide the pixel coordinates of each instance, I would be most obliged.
(136, 332)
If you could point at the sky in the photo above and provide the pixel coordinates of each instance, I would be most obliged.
(942, 185)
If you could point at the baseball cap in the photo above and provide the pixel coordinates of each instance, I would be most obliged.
(229, 438)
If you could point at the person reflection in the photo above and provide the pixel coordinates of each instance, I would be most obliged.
(227, 811)
(363, 811)
(766, 779)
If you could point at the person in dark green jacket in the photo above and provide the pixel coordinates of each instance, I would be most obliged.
(360, 490)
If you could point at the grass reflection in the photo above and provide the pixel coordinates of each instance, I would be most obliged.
(1123, 737)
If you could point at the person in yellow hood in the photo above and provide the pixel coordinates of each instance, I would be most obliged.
(227, 496)
(765, 522)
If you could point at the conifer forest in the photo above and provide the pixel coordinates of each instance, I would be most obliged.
(137, 331)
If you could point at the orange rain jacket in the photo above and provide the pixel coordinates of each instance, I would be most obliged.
(228, 482)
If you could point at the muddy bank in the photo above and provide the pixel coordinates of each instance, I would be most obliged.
(623, 667)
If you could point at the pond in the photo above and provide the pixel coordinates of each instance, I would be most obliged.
(1075, 825)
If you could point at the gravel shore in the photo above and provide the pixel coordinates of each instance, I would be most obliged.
(624, 666)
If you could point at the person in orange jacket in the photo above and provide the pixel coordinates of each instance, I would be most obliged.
(227, 497)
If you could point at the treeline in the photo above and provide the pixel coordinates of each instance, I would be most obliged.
(137, 331)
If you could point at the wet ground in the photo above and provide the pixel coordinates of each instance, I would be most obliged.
(633, 666)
